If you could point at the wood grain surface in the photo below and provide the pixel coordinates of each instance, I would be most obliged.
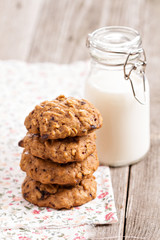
(56, 31)
(18, 20)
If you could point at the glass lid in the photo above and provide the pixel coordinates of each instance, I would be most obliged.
(116, 39)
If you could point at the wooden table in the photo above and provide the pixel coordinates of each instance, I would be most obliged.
(55, 31)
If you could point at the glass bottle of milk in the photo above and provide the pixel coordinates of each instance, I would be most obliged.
(118, 87)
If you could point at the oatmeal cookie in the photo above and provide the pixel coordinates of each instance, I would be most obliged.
(48, 172)
(63, 117)
(60, 150)
(58, 197)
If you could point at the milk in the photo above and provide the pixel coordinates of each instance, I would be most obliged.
(125, 135)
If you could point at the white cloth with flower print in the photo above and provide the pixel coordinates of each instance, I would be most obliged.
(23, 86)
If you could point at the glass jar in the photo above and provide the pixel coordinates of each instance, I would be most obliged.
(118, 87)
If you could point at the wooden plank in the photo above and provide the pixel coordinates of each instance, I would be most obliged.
(151, 42)
(143, 218)
(64, 25)
(62, 30)
(120, 185)
(17, 23)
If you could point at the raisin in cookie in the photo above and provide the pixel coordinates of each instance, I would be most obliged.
(63, 117)
(60, 150)
(58, 197)
(48, 172)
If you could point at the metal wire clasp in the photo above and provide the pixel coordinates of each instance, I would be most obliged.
(135, 66)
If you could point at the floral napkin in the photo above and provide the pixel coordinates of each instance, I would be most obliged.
(23, 86)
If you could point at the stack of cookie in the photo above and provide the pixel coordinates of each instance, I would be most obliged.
(59, 154)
